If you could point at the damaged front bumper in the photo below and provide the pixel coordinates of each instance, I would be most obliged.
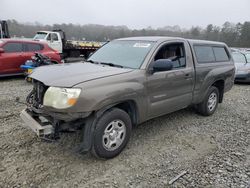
(48, 128)
(45, 123)
(60, 116)
(48, 122)
(40, 128)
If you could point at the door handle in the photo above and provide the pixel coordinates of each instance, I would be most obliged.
(187, 76)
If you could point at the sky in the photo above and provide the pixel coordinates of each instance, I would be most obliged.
(135, 14)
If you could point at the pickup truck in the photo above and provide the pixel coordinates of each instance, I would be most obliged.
(56, 39)
(125, 83)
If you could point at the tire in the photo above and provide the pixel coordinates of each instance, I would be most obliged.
(209, 105)
(117, 125)
(54, 63)
(28, 79)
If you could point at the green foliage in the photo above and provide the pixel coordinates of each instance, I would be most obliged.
(236, 35)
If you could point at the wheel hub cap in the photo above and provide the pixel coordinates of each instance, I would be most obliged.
(114, 135)
(212, 101)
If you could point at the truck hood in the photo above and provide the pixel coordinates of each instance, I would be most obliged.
(40, 40)
(70, 74)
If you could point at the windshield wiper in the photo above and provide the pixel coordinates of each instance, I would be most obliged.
(91, 61)
(111, 64)
(103, 63)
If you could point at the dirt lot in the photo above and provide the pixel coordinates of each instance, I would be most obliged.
(215, 151)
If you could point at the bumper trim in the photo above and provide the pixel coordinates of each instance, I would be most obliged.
(30, 122)
(46, 111)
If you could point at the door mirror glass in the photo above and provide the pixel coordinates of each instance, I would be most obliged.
(162, 65)
(1, 50)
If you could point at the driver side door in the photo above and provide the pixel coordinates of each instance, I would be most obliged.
(54, 41)
(170, 90)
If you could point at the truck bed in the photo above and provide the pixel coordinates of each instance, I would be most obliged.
(72, 44)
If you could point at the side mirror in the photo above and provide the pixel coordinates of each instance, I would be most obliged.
(1, 50)
(162, 65)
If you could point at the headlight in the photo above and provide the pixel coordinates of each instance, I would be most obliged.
(61, 98)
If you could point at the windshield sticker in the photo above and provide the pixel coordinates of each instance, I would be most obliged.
(141, 45)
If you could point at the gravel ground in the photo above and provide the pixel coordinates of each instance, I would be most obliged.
(215, 151)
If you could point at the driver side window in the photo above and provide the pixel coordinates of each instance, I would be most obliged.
(174, 52)
(49, 37)
(54, 37)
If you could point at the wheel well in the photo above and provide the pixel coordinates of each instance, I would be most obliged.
(220, 85)
(131, 108)
(54, 62)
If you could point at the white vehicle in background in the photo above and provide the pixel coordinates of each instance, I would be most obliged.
(242, 65)
(56, 39)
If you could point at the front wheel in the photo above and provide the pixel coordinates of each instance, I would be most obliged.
(112, 133)
(208, 106)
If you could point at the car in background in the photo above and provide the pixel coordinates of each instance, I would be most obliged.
(14, 53)
(247, 53)
(242, 65)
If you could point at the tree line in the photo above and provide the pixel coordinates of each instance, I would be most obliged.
(235, 35)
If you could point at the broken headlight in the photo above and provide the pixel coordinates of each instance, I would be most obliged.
(61, 98)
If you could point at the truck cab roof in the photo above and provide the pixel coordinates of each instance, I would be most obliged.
(46, 32)
(163, 38)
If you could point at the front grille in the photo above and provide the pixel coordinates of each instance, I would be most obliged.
(40, 90)
(35, 98)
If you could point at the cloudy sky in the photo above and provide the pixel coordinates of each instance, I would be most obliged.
(133, 13)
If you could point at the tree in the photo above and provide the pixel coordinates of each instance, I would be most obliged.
(245, 35)
(229, 34)
(237, 35)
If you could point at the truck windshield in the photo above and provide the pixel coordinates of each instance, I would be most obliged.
(40, 35)
(239, 57)
(125, 53)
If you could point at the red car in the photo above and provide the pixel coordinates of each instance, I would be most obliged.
(14, 53)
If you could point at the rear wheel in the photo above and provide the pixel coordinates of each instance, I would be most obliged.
(208, 106)
(112, 133)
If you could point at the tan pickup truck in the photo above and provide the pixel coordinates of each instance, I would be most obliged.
(124, 83)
